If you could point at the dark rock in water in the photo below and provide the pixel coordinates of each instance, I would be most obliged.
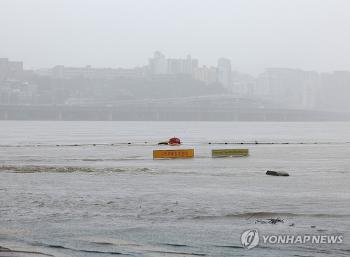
(277, 173)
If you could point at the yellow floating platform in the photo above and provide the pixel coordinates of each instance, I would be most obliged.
(229, 152)
(179, 153)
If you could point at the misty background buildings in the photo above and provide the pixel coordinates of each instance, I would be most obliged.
(250, 60)
(173, 85)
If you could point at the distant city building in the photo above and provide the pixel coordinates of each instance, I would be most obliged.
(225, 73)
(10, 69)
(206, 74)
(15, 67)
(243, 84)
(334, 91)
(3, 67)
(61, 71)
(158, 64)
(291, 87)
(182, 66)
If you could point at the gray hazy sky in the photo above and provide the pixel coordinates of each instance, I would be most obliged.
(254, 34)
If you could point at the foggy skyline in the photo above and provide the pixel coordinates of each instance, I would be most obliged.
(311, 35)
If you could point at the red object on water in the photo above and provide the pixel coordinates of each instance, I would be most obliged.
(174, 141)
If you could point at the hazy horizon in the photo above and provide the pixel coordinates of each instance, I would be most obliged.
(310, 35)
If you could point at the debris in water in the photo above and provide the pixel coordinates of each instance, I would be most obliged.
(270, 221)
(277, 173)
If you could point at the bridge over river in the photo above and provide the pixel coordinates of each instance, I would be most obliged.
(130, 112)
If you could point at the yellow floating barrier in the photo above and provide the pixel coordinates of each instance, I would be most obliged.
(229, 152)
(180, 153)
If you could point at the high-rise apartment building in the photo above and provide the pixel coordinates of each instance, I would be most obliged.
(158, 64)
(224, 71)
